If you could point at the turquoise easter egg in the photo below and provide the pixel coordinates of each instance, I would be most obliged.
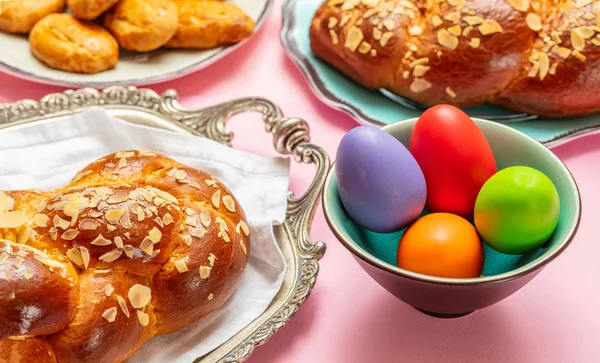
(517, 210)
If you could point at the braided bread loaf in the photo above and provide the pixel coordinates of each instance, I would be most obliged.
(533, 56)
(137, 245)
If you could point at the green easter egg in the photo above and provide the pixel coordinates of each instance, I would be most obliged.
(517, 210)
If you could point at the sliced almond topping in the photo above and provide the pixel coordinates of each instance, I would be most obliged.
(87, 224)
(101, 241)
(24, 235)
(111, 256)
(408, 54)
(40, 207)
(111, 314)
(181, 265)
(187, 239)
(420, 61)
(147, 246)
(113, 216)
(446, 39)
(119, 242)
(243, 246)
(474, 43)
(143, 318)
(122, 163)
(205, 219)
(243, 227)
(4, 257)
(455, 30)
(419, 70)
(450, 92)
(211, 296)
(534, 70)
(577, 40)
(18, 262)
(139, 296)
(111, 228)
(28, 274)
(582, 3)
(146, 153)
(229, 203)
(389, 24)
(544, 65)
(108, 290)
(519, 5)
(180, 174)
(125, 154)
(377, 34)
(414, 30)
(453, 17)
(596, 42)
(385, 38)
(155, 235)
(14, 219)
(577, 54)
(41, 220)
(205, 272)
(53, 232)
(125, 220)
(419, 85)
(216, 199)
(75, 256)
(534, 22)
(211, 259)
(123, 306)
(128, 249)
(85, 255)
(7, 203)
(364, 48)
(59, 205)
(76, 206)
(473, 20)
(22, 253)
(436, 21)
(490, 26)
(353, 39)
(191, 221)
(198, 232)
(70, 234)
(561, 51)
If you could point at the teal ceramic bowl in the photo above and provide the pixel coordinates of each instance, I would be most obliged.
(502, 275)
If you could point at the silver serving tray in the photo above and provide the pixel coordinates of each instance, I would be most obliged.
(291, 136)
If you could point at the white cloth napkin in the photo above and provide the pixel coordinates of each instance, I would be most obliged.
(46, 155)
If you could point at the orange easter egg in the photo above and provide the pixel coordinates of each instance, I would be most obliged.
(442, 245)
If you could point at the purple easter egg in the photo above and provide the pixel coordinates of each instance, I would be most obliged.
(380, 183)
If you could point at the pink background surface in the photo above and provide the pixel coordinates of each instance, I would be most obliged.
(349, 318)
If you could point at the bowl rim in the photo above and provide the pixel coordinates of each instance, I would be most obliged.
(476, 281)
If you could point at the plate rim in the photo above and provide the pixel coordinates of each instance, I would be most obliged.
(321, 91)
(291, 137)
(164, 77)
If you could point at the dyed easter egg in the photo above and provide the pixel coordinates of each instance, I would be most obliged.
(517, 210)
(455, 158)
(442, 245)
(380, 184)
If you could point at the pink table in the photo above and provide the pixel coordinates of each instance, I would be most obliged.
(349, 318)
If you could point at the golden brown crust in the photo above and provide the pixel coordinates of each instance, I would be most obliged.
(26, 350)
(90, 337)
(141, 25)
(38, 293)
(210, 24)
(65, 43)
(89, 9)
(21, 16)
(192, 218)
(467, 52)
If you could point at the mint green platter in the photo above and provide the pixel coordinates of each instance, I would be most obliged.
(380, 108)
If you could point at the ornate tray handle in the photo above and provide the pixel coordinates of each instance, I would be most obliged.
(291, 136)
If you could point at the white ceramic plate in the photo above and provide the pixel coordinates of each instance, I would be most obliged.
(133, 68)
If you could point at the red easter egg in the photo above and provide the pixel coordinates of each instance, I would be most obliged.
(455, 158)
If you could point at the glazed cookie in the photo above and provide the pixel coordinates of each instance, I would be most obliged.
(21, 16)
(142, 25)
(68, 44)
(210, 24)
(89, 9)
